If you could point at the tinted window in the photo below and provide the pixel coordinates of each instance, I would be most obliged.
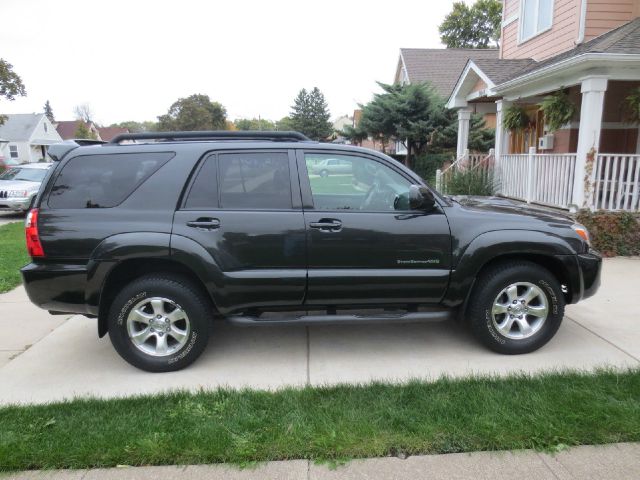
(355, 183)
(204, 192)
(101, 181)
(254, 180)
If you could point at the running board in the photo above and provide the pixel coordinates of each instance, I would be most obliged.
(412, 317)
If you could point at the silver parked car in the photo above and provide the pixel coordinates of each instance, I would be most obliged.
(332, 166)
(19, 185)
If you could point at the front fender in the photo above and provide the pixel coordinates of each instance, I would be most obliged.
(492, 245)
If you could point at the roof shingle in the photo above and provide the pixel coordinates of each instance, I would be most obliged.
(441, 66)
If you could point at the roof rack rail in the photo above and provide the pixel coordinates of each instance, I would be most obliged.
(213, 135)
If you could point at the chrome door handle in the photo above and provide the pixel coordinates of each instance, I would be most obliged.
(205, 223)
(327, 225)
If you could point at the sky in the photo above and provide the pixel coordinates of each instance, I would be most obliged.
(130, 60)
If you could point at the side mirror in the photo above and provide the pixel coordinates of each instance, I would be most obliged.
(421, 198)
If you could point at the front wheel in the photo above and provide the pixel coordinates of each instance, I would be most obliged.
(160, 323)
(517, 307)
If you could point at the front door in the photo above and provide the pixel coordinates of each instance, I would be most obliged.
(244, 208)
(365, 245)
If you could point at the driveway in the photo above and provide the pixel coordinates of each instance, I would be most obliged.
(9, 217)
(46, 358)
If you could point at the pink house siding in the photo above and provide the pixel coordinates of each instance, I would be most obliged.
(561, 37)
(605, 15)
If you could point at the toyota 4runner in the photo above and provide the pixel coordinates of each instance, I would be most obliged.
(156, 234)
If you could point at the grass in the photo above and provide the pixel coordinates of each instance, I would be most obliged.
(13, 255)
(335, 184)
(548, 412)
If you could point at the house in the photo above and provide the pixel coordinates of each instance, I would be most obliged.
(67, 129)
(590, 51)
(108, 133)
(440, 67)
(25, 137)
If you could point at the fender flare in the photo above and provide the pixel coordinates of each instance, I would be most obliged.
(492, 245)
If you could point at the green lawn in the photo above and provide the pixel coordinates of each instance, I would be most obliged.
(548, 412)
(336, 184)
(13, 255)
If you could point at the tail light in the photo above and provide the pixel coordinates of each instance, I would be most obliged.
(34, 247)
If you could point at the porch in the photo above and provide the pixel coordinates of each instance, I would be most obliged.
(593, 161)
(591, 157)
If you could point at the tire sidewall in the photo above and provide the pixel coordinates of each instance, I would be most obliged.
(487, 330)
(136, 292)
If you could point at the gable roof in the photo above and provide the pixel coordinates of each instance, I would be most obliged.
(18, 127)
(441, 66)
(67, 128)
(107, 133)
(623, 40)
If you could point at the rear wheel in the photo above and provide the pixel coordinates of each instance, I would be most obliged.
(160, 323)
(517, 307)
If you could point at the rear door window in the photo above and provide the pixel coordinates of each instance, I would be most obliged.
(254, 180)
(204, 191)
(103, 181)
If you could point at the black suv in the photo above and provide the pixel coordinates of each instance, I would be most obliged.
(157, 234)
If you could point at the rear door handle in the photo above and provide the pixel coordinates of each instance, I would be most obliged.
(205, 223)
(327, 225)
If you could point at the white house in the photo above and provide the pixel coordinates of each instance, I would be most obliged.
(25, 137)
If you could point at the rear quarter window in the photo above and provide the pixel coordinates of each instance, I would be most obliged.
(103, 181)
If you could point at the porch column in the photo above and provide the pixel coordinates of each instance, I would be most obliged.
(502, 135)
(464, 116)
(592, 89)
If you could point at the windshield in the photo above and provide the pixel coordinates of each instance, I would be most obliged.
(24, 174)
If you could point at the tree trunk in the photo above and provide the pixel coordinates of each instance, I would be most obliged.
(407, 158)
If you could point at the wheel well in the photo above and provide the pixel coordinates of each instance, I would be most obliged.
(127, 271)
(554, 266)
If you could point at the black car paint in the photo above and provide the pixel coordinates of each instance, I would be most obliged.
(272, 260)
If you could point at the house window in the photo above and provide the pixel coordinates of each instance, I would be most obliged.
(536, 17)
(45, 127)
(13, 151)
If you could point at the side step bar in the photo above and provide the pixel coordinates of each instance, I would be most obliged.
(411, 317)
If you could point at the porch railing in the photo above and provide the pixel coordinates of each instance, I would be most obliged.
(546, 179)
(617, 182)
(468, 161)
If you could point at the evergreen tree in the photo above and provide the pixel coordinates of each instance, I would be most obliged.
(310, 114)
(48, 111)
(83, 131)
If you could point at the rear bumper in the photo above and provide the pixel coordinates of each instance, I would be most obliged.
(57, 287)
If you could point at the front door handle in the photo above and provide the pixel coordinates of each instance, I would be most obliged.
(327, 225)
(205, 223)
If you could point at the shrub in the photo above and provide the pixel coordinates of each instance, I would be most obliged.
(470, 182)
(426, 165)
(612, 233)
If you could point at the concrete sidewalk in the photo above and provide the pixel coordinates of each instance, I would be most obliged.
(67, 359)
(618, 461)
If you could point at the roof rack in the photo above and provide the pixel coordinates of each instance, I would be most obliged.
(212, 135)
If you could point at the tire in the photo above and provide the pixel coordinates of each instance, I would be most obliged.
(172, 303)
(499, 323)
(324, 173)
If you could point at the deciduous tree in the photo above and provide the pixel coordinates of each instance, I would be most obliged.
(194, 113)
(11, 85)
(254, 124)
(83, 112)
(475, 26)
